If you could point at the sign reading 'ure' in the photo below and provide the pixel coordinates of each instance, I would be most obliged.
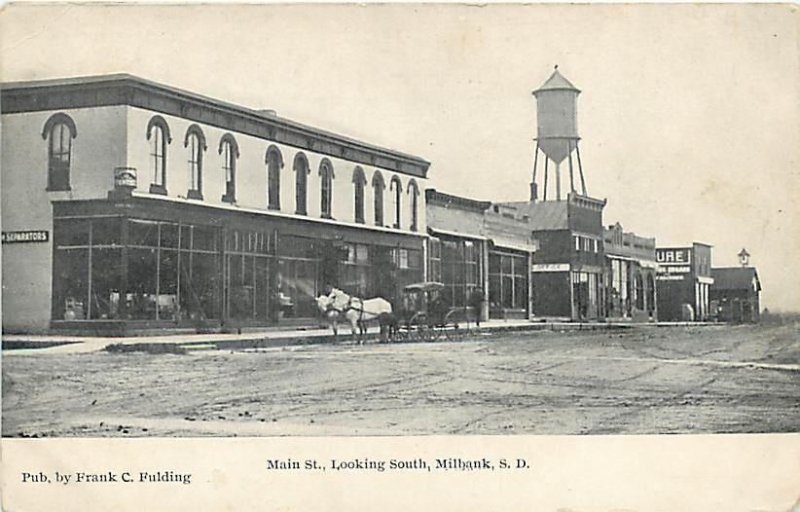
(18, 237)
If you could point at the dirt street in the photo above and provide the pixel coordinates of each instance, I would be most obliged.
(638, 381)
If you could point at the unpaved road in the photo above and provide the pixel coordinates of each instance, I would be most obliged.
(639, 381)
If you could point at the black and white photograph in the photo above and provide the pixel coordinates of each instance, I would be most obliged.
(291, 221)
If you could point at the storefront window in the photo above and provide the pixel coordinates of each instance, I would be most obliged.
(585, 291)
(172, 271)
(142, 283)
(457, 265)
(248, 275)
(70, 284)
(167, 300)
(508, 282)
(143, 233)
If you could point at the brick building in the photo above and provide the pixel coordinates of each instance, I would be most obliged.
(129, 205)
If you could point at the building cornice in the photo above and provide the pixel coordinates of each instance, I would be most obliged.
(115, 90)
(587, 202)
(434, 197)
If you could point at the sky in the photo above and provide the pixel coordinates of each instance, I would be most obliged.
(688, 116)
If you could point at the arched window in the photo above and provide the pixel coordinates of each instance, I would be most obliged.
(159, 136)
(359, 181)
(413, 191)
(301, 172)
(326, 188)
(196, 142)
(377, 186)
(274, 161)
(59, 130)
(229, 150)
(397, 187)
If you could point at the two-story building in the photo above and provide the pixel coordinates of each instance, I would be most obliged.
(128, 205)
(569, 265)
(684, 280)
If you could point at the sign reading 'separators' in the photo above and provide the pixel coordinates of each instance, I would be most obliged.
(18, 237)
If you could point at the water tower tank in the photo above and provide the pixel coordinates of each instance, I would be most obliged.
(557, 119)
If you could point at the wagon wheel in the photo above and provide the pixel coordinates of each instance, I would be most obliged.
(424, 332)
(436, 332)
(402, 333)
(416, 325)
(452, 329)
(454, 332)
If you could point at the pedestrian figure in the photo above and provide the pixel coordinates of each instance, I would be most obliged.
(476, 303)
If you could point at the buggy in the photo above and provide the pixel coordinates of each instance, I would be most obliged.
(424, 316)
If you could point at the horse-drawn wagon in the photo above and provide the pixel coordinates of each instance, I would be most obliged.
(421, 314)
(424, 316)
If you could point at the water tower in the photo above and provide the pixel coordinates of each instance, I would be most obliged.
(557, 132)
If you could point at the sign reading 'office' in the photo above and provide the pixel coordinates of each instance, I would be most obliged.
(20, 237)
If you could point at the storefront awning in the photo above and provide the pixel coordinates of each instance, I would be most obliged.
(437, 231)
(514, 245)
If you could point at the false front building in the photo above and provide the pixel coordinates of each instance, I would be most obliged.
(684, 280)
(630, 275)
(128, 205)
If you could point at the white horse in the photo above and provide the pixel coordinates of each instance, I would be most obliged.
(356, 311)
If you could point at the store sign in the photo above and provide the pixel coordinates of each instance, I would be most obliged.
(19, 237)
(550, 267)
(682, 256)
(674, 269)
(669, 277)
(125, 177)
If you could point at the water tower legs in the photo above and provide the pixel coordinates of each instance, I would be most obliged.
(544, 196)
(580, 169)
(534, 193)
(558, 182)
(571, 173)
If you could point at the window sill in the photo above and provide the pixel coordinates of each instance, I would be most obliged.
(194, 194)
(158, 189)
(326, 216)
(274, 207)
(298, 212)
(228, 199)
(58, 189)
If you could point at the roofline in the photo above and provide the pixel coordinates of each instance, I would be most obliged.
(683, 246)
(434, 197)
(126, 89)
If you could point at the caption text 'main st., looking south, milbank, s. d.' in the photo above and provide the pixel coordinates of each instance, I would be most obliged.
(393, 464)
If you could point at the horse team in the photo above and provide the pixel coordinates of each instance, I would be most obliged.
(338, 305)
